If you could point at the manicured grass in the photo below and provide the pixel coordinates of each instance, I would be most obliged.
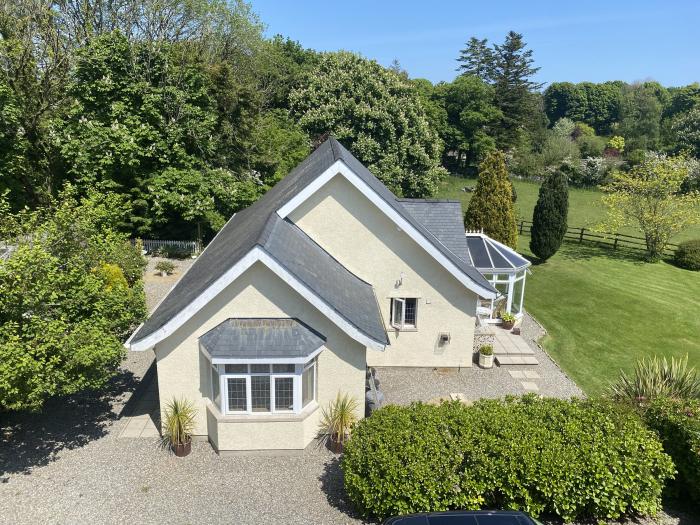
(585, 206)
(604, 309)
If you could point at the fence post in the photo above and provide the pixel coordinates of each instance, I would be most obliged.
(521, 227)
(615, 243)
(580, 237)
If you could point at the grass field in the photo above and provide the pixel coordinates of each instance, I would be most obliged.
(603, 309)
(585, 207)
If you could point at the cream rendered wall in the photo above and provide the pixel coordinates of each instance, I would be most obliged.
(351, 228)
(258, 292)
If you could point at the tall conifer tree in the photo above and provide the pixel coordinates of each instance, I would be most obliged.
(491, 207)
(549, 218)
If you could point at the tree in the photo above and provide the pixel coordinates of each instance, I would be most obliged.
(70, 293)
(511, 78)
(476, 59)
(640, 122)
(649, 197)
(491, 206)
(471, 120)
(549, 217)
(200, 197)
(686, 129)
(375, 113)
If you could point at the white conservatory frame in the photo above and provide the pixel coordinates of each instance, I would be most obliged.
(508, 279)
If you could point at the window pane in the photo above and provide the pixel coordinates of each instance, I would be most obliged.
(517, 296)
(215, 387)
(284, 393)
(237, 401)
(307, 385)
(236, 369)
(260, 369)
(260, 393)
(397, 312)
(283, 369)
(410, 315)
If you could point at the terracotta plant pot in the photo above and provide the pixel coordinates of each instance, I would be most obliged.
(507, 325)
(182, 449)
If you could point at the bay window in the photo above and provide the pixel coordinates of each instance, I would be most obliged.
(264, 388)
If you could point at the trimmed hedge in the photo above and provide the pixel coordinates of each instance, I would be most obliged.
(576, 459)
(678, 425)
(688, 255)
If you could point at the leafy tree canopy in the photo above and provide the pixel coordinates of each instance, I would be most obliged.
(376, 114)
(70, 293)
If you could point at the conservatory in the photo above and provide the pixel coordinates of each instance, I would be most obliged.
(505, 269)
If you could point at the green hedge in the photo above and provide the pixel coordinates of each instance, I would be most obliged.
(575, 459)
(678, 425)
(688, 255)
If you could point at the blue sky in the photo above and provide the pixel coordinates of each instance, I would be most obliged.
(572, 41)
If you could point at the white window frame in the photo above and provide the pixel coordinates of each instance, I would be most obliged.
(403, 325)
(273, 376)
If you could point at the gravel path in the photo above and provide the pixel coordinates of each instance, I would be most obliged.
(403, 385)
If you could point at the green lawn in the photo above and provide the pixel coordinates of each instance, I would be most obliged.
(585, 207)
(604, 310)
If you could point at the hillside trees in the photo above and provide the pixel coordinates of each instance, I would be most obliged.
(375, 113)
(549, 218)
(491, 207)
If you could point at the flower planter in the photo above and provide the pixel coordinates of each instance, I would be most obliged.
(485, 361)
(182, 449)
(507, 325)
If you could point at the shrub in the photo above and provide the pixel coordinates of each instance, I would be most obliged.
(688, 255)
(576, 459)
(678, 425)
(170, 251)
(338, 419)
(654, 378)
(486, 350)
(165, 266)
(179, 423)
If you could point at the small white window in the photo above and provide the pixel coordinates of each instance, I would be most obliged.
(404, 313)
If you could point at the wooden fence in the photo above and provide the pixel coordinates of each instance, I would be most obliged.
(151, 245)
(615, 240)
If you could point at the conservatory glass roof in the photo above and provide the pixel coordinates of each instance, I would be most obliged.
(490, 256)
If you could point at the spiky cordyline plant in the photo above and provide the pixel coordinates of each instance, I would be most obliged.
(179, 423)
(338, 418)
(654, 378)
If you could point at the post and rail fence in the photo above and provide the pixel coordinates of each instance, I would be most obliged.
(616, 240)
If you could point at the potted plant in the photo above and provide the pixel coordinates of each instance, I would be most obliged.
(165, 268)
(508, 320)
(337, 420)
(178, 426)
(486, 356)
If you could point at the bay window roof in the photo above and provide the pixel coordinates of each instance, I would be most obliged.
(260, 339)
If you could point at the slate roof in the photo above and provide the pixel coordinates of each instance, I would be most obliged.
(489, 255)
(261, 338)
(442, 218)
(259, 225)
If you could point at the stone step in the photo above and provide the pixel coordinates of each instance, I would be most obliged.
(513, 359)
(520, 350)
